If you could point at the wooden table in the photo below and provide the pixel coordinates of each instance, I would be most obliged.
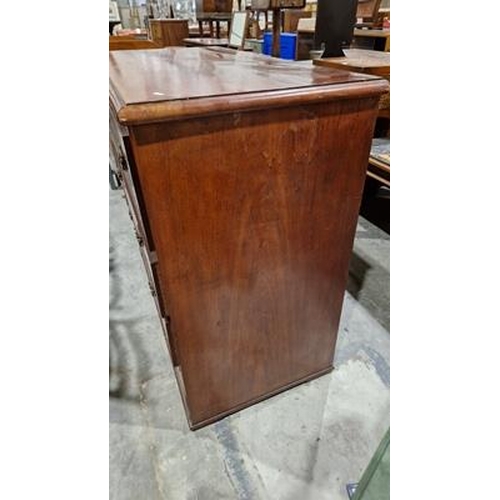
(206, 42)
(211, 18)
(371, 62)
(212, 42)
(232, 179)
(375, 39)
(368, 39)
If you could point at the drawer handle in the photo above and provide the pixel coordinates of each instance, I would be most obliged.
(123, 162)
(152, 289)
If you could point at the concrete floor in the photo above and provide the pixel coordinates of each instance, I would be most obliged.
(306, 443)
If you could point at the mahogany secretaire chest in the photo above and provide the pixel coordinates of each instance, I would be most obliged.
(243, 174)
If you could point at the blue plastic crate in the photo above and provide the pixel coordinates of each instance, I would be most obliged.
(288, 45)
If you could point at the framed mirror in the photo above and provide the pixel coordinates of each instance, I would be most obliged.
(237, 33)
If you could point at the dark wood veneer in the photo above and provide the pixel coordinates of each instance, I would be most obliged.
(251, 210)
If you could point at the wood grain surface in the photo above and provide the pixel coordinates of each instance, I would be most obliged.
(251, 216)
(169, 32)
(158, 85)
(372, 62)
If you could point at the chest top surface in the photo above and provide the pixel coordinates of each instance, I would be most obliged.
(155, 83)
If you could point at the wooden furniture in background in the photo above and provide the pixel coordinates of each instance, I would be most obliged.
(246, 263)
(384, 14)
(214, 12)
(371, 62)
(169, 32)
(277, 8)
(131, 43)
(379, 162)
(164, 33)
(363, 38)
(213, 18)
(305, 37)
(205, 42)
(217, 5)
(368, 11)
(239, 27)
(291, 19)
(375, 39)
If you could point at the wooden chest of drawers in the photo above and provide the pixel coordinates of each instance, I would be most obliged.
(244, 176)
(168, 32)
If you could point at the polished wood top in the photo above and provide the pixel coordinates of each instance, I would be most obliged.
(157, 85)
(372, 62)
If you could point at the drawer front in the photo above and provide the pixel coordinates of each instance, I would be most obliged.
(151, 268)
(122, 162)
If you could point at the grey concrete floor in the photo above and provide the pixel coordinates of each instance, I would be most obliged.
(306, 443)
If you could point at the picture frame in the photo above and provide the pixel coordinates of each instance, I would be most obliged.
(238, 31)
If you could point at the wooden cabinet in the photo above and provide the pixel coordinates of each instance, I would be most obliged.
(244, 184)
(169, 32)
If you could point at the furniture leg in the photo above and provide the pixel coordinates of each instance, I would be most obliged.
(276, 32)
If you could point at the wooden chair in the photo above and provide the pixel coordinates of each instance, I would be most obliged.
(291, 19)
(368, 11)
(214, 12)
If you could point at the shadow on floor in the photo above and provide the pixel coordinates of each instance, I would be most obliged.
(376, 205)
(357, 273)
(369, 285)
(125, 349)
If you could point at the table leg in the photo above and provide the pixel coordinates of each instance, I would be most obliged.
(276, 32)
